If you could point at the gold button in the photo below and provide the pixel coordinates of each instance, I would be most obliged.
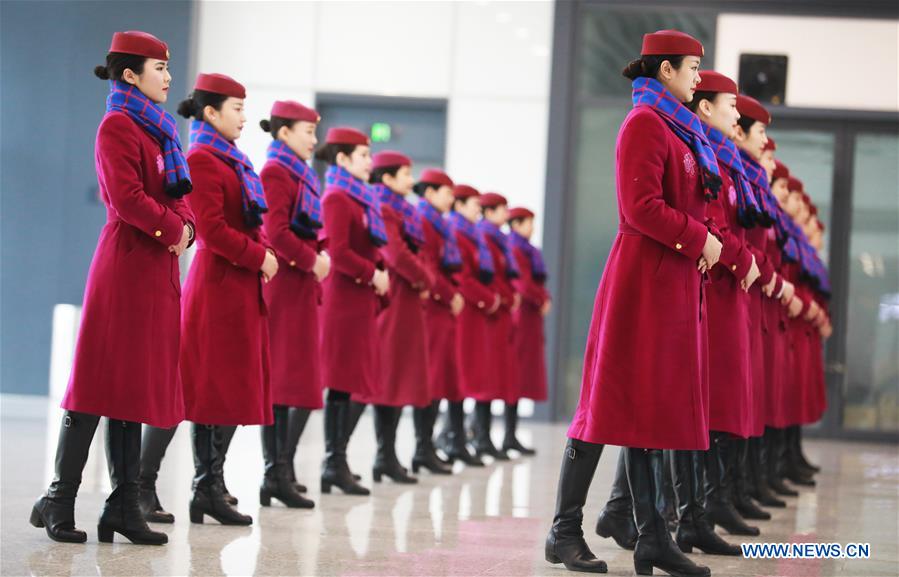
(480, 304)
(158, 233)
(293, 263)
(678, 246)
(733, 267)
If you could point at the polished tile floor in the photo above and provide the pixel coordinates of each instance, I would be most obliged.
(490, 521)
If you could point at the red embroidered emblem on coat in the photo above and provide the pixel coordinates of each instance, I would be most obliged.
(690, 164)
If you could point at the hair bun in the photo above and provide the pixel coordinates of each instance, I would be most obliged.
(101, 72)
(265, 124)
(187, 107)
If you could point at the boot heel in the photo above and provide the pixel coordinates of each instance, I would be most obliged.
(265, 498)
(685, 548)
(642, 567)
(415, 467)
(376, 476)
(326, 487)
(196, 515)
(104, 533)
(36, 520)
(551, 557)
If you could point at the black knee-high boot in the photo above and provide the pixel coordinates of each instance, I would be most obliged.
(654, 548)
(386, 463)
(617, 518)
(208, 486)
(774, 440)
(453, 440)
(433, 414)
(277, 482)
(425, 456)
(693, 530)
(565, 542)
(55, 510)
(335, 470)
(226, 432)
(152, 450)
(742, 473)
(483, 444)
(719, 504)
(808, 467)
(791, 468)
(121, 512)
(296, 423)
(510, 439)
(758, 459)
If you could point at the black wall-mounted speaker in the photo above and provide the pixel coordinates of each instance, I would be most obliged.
(764, 77)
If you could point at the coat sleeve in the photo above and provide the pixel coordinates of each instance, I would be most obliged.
(641, 155)
(208, 201)
(530, 291)
(119, 159)
(398, 257)
(280, 195)
(338, 218)
(182, 207)
(475, 293)
(735, 255)
(442, 286)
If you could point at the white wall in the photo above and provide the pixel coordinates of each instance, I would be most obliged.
(491, 60)
(833, 62)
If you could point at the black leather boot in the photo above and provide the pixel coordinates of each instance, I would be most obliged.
(277, 482)
(55, 510)
(425, 456)
(774, 440)
(669, 511)
(335, 471)
(296, 424)
(655, 547)
(693, 530)
(483, 444)
(121, 513)
(804, 463)
(510, 440)
(208, 486)
(617, 518)
(758, 458)
(791, 468)
(386, 463)
(565, 542)
(152, 450)
(226, 432)
(355, 413)
(452, 440)
(719, 505)
(742, 474)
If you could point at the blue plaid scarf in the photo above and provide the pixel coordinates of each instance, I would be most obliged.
(203, 135)
(785, 233)
(762, 188)
(685, 124)
(726, 152)
(485, 259)
(534, 254)
(450, 259)
(307, 214)
(493, 232)
(339, 177)
(160, 125)
(411, 223)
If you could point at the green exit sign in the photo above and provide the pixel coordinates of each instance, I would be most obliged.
(380, 132)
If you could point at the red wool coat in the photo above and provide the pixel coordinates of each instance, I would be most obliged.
(473, 345)
(757, 237)
(792, 391)
(730, 384)
(501, 354)
(443, 373)
(645, 381)
(292, 297)
(224, 336)
(126, 359)
(818, 397)
(349, 335)
(775, 342)
(403, 374)
(530, 344)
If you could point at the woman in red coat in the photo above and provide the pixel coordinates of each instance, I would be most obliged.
(478, 285)
(645, 367)
(502, 328)
(126, 360)
(354, 230)
(224, 346)
(291, 224)
(442, 257)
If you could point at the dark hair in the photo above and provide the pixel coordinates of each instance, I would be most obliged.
(420, 188)
(462, 200)
(648, 66)
(198, 100)
(519, 219)
(117, 63)
(275, 124)
(377, 175)
(328, 152)
(746, 123)
(700, 95)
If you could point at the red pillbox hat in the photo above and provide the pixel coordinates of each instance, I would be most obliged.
(389, 158)
(220, 84)
(140, 44)
(293, 110)
(716, 82)
(671, 43)
(752, 108)
(461, 191)
(346, 135)
(492, 200)
(435, 176)
(520, 212)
